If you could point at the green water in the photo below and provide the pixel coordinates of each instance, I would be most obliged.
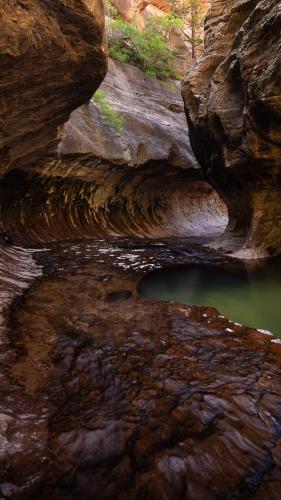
(248, 295)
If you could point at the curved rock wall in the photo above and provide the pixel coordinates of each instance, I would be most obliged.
(105, 394)
(52, 59)
(88, 196)
(233, 105)
(154, 122)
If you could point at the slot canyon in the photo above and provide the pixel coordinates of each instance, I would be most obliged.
(108, 174)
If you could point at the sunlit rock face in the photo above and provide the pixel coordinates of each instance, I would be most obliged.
(154, 128)
(233, 105)
(135, 10)
(52, 59)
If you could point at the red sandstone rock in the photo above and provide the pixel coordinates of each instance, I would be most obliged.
(52, 59)
(133, 398)
(131, 9)
(233, 104)
(84, 195)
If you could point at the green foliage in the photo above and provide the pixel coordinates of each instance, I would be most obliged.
(167, 25)
(105, 107)
(147, 49)
(193, 13)
(110, 9)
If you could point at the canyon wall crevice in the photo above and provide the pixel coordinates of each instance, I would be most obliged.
(233, 105)
(141, 181)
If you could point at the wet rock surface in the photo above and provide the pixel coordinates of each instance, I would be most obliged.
(21, 434)
(154, 127)
(105, 394)
(233, 105)
(134, 399)
(65, 38)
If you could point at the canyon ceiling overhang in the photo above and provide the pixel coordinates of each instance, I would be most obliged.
(55, 62)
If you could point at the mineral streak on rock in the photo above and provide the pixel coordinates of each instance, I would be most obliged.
(154, 127)
(233, 105)
(52, 59)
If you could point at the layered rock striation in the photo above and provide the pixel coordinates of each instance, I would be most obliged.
(105, 394)
(52, 59)
(100, 181)
(86, 196)
(233, 105)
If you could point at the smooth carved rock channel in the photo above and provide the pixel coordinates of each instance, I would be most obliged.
(116, 396)
(106, 395)
(84, 195)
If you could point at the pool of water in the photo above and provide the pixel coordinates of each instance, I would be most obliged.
(247, 294)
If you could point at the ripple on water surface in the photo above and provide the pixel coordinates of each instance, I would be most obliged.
(249, 294)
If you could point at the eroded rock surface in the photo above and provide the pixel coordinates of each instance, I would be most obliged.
(104, 394)
(84, 195)
(130, 398)
(154, 121)
(233, 104)
(52, 59)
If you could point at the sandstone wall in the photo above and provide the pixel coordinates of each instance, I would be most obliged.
(52, 59)
(155, 126)
(134, 10)
(87, 196)
(233, 105)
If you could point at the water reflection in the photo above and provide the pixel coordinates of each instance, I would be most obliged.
(249, 294)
